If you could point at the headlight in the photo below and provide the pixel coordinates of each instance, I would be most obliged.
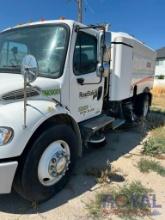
(6, 135)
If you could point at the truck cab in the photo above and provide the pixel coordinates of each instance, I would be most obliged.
(66, 60)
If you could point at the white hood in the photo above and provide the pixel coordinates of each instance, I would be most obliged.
(10, 82)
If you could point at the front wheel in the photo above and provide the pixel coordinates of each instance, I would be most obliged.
(48, 165)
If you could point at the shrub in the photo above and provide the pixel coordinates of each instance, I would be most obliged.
(125, 201)
(155, 144)
(146, 166)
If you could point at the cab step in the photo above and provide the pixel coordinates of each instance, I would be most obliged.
(117, 123)
(97, 123)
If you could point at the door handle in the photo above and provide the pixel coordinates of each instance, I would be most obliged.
(80, 81)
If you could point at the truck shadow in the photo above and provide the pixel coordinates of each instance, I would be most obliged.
(119, 143)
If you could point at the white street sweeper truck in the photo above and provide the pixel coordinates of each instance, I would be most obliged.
(61, 84)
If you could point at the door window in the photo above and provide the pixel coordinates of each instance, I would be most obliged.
(85, 54)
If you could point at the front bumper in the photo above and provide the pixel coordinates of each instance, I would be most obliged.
(7, 173)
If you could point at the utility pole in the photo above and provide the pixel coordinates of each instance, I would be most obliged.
(80, 10)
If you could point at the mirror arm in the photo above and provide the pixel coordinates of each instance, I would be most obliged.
(103, 50)
(29, 71)
(25, 98)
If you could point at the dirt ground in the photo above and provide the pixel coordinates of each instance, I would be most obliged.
(123, 150)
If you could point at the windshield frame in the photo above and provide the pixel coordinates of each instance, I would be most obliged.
(65, 26)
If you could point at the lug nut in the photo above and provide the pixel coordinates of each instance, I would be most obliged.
(53, 160)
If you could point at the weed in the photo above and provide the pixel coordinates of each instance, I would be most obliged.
(94, 207)
(105, 174)
(146, 166)
(155, 144)
(125, 201)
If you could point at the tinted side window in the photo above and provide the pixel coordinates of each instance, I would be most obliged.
(85, 54)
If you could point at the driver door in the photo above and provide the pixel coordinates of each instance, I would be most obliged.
(86, 87)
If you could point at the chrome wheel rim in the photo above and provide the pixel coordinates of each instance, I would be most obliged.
(54, 163)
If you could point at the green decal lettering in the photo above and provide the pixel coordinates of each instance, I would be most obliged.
(51, 92)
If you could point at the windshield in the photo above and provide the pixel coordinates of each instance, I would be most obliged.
(48, 44)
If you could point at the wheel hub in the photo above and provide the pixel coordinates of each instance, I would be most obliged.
(58, 164)
(54, 163)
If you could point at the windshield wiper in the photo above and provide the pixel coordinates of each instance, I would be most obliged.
(10, 69)
(11, 66)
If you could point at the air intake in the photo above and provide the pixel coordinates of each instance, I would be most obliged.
(19, 94)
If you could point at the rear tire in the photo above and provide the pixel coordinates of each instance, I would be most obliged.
(142, 106)
(50, 145)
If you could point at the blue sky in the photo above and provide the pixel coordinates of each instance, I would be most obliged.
(145, 19)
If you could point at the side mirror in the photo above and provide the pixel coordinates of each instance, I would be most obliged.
(107, 50)
(29, 68)
(103, 68)
(100, 70)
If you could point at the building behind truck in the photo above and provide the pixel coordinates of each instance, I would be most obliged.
(160, 63)
(62, 83)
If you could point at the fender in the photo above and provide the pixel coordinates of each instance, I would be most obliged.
(38, 112)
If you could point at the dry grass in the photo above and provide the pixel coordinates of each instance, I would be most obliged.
(155, 144)
(158, 103)
(159, 97)
(158, 91)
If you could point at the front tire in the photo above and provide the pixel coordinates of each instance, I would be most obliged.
(47, 166)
